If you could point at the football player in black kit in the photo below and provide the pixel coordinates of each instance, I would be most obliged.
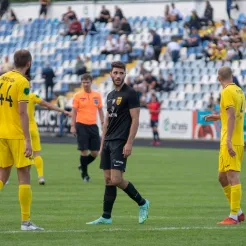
(119, 131)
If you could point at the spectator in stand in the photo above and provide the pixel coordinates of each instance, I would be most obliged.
(208, 13)
(173, 49)
(125, 27)
(80, 66)
(175, 14)
(229, 7)
(88, 64)
(116, 26)
(235, 80)
(104, 15)
(124, 45)
(75, 28)
(149, 78)
(89, 27)
(156, 43)
(6, 65)
(223, 26)
(194, 39)
(111, 46)
(211, 102)
(12, 17)
(142, 70)
(235, 36)
(4, 5)
(237, 53)
(208, 32)
(243, 36)
(48, 75)
(221, 53)
(148, 53)
(118, 13)
(71, 15)
(194, 21)
(44, 8)
(166, 13)
(169, 84)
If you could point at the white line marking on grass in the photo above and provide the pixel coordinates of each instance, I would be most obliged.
(128, 230)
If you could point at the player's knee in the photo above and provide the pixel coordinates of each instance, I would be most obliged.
(94, 154)
(116, 180)
(107, 180)
(222, 179)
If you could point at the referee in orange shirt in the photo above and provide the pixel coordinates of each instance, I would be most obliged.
(86, 103)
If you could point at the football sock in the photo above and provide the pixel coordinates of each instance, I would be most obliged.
(109, 198)
(154, 136)
(1, 184)
(133, 194)
(236, 194)
(39, 165)
(25, 198)
(157, 136)
(83, 164)
(227, 192)
(90, 159)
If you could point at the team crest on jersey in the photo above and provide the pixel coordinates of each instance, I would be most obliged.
(118, 100)
(96, 101)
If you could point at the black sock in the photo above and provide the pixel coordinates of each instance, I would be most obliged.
(153, 135)
(90, 159)
(108, 202)
(83, 165)
(133, 193)
(157, 136)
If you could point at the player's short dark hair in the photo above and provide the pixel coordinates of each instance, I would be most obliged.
(21, 58)
(225, 73)
(86, 76)
(118, 64)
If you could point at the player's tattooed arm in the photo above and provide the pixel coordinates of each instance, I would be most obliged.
(231, 118)
(104, 131)
(212, 117)
(101, 115)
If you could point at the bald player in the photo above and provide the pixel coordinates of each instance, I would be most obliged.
(86, 104)
(231, 144)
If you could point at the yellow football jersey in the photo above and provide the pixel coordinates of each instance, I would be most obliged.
(232, 96)
(14, 88)
(33, 100)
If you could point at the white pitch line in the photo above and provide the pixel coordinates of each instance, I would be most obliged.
(128, 230)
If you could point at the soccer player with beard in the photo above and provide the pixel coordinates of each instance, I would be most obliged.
(119, 131)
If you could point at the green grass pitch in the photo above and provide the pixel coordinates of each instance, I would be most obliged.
(186, 202)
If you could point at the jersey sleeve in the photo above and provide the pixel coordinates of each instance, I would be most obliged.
(227, 99)
(37, 99)
(75, 102)
(23, 91)
(133, 100)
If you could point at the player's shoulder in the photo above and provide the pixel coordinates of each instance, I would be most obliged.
(77, 94)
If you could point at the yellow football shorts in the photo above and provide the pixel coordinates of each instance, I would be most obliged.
(36, 146)
(12, 152)
(226, 162)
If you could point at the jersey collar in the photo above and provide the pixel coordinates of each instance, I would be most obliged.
(229, 84)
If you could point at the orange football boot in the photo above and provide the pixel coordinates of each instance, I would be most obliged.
(228, 221)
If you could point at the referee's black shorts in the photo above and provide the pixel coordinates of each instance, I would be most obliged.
(88, 137)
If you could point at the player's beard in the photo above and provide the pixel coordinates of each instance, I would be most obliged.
(28, 73)
(116, 83)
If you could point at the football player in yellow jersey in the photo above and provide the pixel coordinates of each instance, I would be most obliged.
(232, 107)
(15, 140)
(36, 146)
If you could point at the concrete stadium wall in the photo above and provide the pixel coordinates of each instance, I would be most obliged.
(31, 10)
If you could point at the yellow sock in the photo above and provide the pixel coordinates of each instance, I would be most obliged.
(25, 198)
(227, 192)
(236, 194)
(1, 184)
(39, 165)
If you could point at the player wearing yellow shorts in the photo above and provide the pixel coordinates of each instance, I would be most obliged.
(231, 144)
(15, 141)
(36, 146)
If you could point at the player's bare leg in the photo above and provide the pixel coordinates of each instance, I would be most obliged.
(25, 198)
(39, 166)
(4, 176)
(227, 180)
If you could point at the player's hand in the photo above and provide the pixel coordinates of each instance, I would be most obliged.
(211, 117)
(232, 153)
(127, 150)
(73, 130)
(28, 148)
(69, 114)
